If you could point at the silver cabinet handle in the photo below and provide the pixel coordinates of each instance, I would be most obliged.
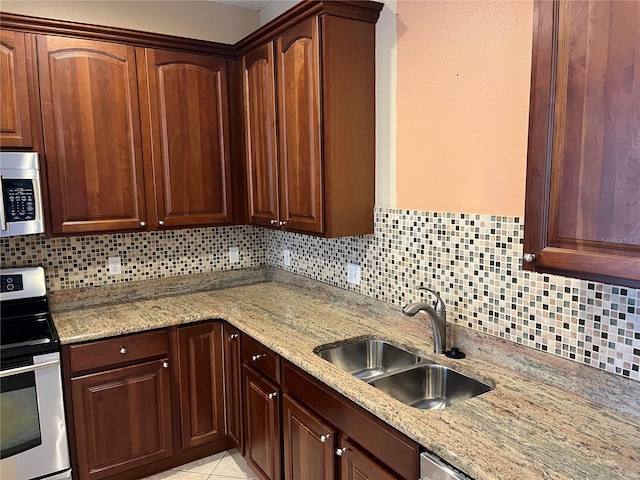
(272, 395)
(165, 364)
(325, 437)
(123, 350)
(341, 451)
(282, 224)
(161, 222)
(273, 222)
(233, 336)
(257, 357)
(529, 257)
(143, 224)
(29, 368)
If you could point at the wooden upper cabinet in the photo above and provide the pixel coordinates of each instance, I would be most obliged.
(260, 135)
(301, 173)
(190, 150)
(91, 121)
(15, 113)
(582, 213)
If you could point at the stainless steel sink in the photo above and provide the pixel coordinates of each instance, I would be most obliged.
(407, 377)
(430, 387)
(366, 359)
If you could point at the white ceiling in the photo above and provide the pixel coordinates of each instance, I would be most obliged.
(249, 4)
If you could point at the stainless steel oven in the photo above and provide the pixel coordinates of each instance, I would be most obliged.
(33, 430)
(20, 194)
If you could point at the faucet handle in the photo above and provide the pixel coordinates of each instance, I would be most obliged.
(439, 306)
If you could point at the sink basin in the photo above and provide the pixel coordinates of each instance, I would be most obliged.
(430, 387)
(366, 359)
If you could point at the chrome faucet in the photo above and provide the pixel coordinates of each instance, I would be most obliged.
(438, 317)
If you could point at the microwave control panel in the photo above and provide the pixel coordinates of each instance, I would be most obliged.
(19, 200)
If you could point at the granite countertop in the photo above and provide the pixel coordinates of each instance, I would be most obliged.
(523, 429)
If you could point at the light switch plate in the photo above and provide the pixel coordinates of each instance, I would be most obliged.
(234, 254)
(353, 273)
(114, 265)
(287, 257)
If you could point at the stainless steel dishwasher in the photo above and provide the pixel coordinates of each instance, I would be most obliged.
(434, 468)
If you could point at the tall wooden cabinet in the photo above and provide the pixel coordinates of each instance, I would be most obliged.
(312, 170)
(582, 215)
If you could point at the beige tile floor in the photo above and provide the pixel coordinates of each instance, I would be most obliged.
(227, 465)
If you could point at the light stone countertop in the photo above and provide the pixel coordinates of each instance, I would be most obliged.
(523, 429)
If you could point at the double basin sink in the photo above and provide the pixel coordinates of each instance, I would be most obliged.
(409, 378)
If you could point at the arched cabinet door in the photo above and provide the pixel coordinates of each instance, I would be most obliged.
(91, 120)
(190, 151)
(582, 215)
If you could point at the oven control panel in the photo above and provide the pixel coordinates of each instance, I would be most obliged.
(10, 283)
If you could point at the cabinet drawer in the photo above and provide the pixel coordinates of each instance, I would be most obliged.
(261, 358)
(114, 351)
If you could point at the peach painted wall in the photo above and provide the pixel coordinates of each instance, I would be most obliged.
(462, 105)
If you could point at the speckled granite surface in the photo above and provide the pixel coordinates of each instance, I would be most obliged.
(524, 429)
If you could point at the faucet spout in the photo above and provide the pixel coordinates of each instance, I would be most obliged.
(438, 318)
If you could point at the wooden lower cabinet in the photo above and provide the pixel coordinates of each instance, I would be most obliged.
(262, 420)
(122, 418)
(355, 465)
(233, 385)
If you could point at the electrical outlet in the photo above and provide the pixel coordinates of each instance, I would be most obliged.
(114, 266)
(234, 255)
(353, 273)
(287, 257)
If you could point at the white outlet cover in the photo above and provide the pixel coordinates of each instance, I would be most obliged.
(353, 273)
(287, 257)
(114, 265)
(234, 254)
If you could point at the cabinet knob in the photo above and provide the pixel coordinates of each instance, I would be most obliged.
(529, 257)
(273, 222)
(282, 224)
(165, 364)
(233, 336)
(341, 451)
(257, 357)
(143, 224)
(325, 437)
(123, 350)
(272, 395)
(161, 223)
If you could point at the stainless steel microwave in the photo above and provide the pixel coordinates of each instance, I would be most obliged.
(21, 193)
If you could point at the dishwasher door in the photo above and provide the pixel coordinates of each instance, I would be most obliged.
(433, 468)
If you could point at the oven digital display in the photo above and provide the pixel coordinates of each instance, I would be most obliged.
(10, 283)
(19, 200)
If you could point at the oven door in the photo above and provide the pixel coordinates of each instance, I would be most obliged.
(33, 430)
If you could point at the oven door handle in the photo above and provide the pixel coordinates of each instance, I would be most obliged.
(29, 368)
(3, 217)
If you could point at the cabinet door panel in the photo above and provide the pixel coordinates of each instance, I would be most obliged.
(233, 385)
(262, 417)
(308, 444)
(190, 138)
(122, 419)
(201, 387)
(354, 465)
(15, 115)
(92, 135)
(583, 192)
(260, 134)
(301, 174)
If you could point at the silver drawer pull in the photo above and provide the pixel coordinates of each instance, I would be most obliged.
(282, 224)
(341, 451)
(165, 364)
(273, 222)
(123, 350)
(257, 357)
(272, 395)
(529, 257)
(325, 437)
(233, 336)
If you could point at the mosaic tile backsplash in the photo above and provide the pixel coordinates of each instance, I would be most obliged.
(472, 260)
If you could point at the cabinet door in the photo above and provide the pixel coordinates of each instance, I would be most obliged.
(122, 419)
(201, 384)
(15, 114)
(301, 173)
(308, 444)
(355, 465)
(582, 213)
(189, 118)
(233, 384)
(91, 120)
(262, 417)
(260, 135)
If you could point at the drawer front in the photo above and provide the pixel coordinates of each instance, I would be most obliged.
(389, 447)
(118, 350)
(260, 358)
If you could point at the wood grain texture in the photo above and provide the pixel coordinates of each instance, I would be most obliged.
(583, 174)
(190, 152)
(92, 135)
(355, 465)
(233, 385)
